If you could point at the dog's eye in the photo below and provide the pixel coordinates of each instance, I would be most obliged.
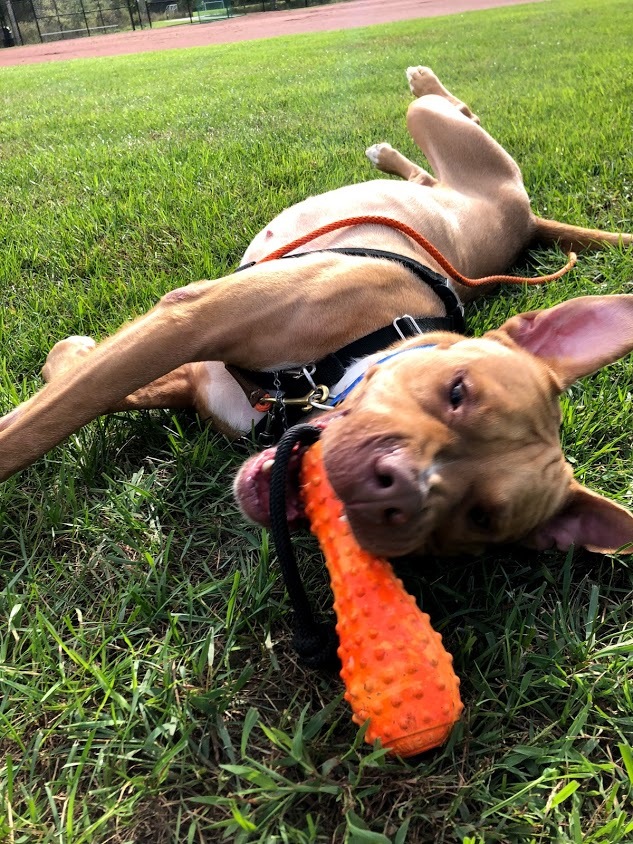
(457, 393)
(480, 518)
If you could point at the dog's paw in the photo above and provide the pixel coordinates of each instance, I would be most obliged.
(377, 154)
(423, 81)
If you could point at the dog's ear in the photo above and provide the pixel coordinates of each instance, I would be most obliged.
(578, 337)
(575, 339)
(588, 520)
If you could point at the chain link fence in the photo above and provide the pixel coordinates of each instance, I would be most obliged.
(33, 21)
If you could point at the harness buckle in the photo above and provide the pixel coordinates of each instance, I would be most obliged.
(407, 319)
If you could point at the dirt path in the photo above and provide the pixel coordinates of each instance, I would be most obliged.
(247, 28)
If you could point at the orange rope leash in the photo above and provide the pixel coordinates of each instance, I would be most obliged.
(424, 243)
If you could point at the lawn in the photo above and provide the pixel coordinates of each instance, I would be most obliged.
(148, 691)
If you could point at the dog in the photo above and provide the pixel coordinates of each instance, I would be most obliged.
(445, 444)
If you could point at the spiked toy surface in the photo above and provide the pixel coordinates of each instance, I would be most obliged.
(396, 671)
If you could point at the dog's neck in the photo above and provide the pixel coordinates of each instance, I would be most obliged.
(357, 370)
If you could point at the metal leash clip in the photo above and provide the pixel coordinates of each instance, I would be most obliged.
(314, 399)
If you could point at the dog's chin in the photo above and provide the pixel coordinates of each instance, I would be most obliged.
(251, 486)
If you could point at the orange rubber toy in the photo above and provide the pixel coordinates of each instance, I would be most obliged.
(396, 671)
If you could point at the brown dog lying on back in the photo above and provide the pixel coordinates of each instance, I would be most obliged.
(446, 443)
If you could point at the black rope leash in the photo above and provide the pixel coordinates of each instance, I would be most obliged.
(315, 642)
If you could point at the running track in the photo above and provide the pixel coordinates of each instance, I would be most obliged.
(348, 15)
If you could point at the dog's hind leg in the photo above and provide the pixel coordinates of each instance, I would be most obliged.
(422, 82)
(463, 156)
(467, 159)
(478, 182)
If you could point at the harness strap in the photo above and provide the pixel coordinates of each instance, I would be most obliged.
(330, 369)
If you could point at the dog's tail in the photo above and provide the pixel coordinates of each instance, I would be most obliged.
(575, 238)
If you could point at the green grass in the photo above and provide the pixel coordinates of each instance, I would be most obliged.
(148, 690)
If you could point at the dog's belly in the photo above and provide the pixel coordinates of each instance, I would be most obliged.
(439, 214)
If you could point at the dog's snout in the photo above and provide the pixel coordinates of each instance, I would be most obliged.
(377, 481)
(391, 493)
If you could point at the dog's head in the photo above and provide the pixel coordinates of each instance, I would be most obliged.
(454, 444)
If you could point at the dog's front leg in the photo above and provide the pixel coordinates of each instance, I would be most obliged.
(283, 312)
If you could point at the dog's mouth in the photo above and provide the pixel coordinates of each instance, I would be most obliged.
(251, 487)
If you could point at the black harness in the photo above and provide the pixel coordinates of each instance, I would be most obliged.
(293, 384)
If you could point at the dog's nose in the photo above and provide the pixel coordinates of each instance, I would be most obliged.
(392, 493)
